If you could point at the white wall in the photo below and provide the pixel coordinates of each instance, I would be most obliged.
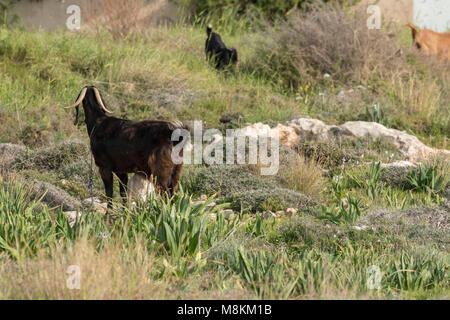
(432, 14)
(51, 14)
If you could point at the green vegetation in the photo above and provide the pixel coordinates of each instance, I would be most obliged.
(161, 73)
(244, 189)
(353, 214)
(348, 212)
(426, 178)
(298, 257)
(268, 9)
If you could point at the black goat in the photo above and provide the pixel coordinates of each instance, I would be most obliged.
(122, 146)
(217, 52)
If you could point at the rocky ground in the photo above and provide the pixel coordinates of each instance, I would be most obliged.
(363, 177)
(236, 184)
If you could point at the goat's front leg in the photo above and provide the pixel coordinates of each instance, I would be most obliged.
(107, 178)
(123, 177)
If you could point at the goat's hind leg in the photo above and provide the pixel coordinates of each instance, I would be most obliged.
(123, 182)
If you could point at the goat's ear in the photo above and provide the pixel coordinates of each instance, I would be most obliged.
(77, 113)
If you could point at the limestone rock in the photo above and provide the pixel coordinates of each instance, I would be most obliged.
(290, 212)
(286, 135)
(97, 206)
(72, 216)
(409, 146)
(139, 188)
(54, 196)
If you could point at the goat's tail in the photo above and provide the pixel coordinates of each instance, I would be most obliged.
(413, 29)
(209, 30)
(176, 124)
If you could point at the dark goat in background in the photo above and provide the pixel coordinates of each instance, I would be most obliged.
(217, 52)
(122, 146)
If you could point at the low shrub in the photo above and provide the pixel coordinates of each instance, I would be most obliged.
(245, 190)
(327, 39)
(54, 157)
(304, 176)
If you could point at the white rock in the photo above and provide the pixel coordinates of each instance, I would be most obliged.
(409, 146)
(287, 135)
(255, 130)
(297, 130)
(290, 212)
(269, 214)
(307, 127)
(399, 164)
(72, 216)
(98, 205)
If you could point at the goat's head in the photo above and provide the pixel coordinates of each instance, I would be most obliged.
(93, 104)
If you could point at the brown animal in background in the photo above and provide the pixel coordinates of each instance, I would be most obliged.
(430, 41)
(122, 146)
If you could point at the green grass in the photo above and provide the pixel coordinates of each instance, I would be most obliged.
(43, 72)
(302, 257)
(162, 73)
(172, 248)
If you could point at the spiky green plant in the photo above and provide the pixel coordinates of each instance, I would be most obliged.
(348, 212)
(426, 179)
(371, 184)
(395, 199)
(259, 225)
(25, 225)
(264, 272)
(176, 223)
(376, 114)
(413, 272)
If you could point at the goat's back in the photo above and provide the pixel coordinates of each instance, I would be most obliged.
(214, 43)
(125, 146)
